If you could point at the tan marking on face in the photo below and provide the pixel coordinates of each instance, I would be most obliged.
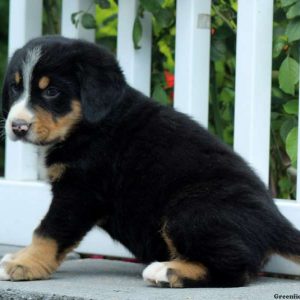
(170, 244)
(17, 77)
(36, 261)
(178, 270)
(44, 82)
(48, 129)
(56, 171)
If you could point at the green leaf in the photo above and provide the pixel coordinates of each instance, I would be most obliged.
(152, 6)
(285, 3)
(293, 11)
(88, 21)
(286, 127)
(103, 3)
(293, 30)
(166, 50)
(291, 145)
(164, 17)
(288, 75)
(291, 107)
(137, 32)
(160, 95)
(74, 18)
(218, 50)
(279, 43)
(286, 186)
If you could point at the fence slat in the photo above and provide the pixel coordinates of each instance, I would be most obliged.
(68, 29)
(298, 153)
(136, 63)
(24, 23)
(192, 58)
(253, 84)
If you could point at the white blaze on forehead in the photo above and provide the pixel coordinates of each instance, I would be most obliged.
(20, 109)
(32, 57)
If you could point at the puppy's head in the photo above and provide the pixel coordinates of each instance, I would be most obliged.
(53, 84)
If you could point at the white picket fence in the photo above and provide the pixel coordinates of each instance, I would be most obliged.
(24, 200)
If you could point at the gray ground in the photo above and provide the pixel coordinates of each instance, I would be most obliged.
(111, 280)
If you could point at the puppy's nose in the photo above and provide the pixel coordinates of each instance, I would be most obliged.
(20, 127)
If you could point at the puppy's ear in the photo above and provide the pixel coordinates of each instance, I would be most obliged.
(102, 86)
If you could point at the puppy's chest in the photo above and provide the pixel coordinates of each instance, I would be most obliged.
(50, 172)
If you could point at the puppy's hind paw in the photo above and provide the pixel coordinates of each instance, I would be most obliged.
(156, 274)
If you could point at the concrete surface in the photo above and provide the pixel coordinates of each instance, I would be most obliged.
(102, 279)
(112, 280)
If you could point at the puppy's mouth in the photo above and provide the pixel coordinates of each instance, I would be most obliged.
(38, 143)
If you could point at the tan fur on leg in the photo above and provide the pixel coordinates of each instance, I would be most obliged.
(178, 270)
(36, 261)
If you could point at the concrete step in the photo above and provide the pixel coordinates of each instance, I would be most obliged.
(112, 280)
(82, 279)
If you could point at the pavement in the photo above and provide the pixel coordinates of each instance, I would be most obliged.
(83, 279)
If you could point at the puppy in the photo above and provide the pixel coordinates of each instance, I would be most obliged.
(178, 198)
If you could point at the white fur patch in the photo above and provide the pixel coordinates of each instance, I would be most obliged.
(4, 260)
(32, 58)
(20, 109)
(156, 272)
(42, 170)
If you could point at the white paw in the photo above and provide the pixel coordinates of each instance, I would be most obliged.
(156, 272)
(3, 275)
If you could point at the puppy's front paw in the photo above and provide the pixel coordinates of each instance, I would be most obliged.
(22, 267)
(3, 263)
(37, 261)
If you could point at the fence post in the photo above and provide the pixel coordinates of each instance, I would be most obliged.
(68, 29)
(136, 63)
(25, 23)
(192, 58)
(298, 150)
(253, 83)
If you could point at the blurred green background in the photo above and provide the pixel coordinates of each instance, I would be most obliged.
(285, 69)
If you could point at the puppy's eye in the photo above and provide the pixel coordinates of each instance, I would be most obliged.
(51, 92)
(15, 88)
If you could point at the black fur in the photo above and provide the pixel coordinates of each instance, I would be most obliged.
(135, 165)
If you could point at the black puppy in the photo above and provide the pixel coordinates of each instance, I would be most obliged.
(155, 180)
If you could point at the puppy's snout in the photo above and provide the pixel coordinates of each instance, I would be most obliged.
(20, 127)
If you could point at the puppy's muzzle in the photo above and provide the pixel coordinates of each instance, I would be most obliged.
(20, 127)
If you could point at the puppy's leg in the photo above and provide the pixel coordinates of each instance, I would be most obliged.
(69, 218)
(175, 273)
(36, 261)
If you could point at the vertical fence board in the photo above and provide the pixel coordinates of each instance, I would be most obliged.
(24, 23)
(253, 83)
(192, 57)
(136, 63)
(68, 29)
(298, 150)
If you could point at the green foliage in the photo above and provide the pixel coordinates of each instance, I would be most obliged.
(137, 32)
(291, 145)
(288, 75)
(51, 16)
